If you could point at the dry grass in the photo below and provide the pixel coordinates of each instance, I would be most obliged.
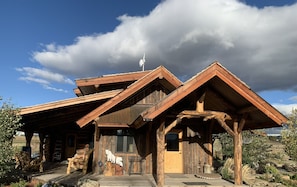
(20, 141)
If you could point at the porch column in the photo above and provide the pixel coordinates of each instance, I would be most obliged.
(237, 139)
(160, 153)
(95, 166)
(41, 150)
(209, 143)
(28, 136)
(41, 143)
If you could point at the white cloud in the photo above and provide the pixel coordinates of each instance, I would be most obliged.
(294, 98)
(54, 89)
(44, 78)
(257, 45)
(285, 108)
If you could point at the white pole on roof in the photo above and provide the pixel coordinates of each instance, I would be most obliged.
(142, 62)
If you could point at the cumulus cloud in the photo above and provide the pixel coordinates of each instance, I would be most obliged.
(257, 45)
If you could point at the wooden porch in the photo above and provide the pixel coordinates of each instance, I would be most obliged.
(57, 176)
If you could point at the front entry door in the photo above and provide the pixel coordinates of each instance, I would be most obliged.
(173, 152)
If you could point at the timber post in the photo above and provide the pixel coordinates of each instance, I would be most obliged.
(95, 166)
(160, 135)
(28, 136)
(237, 139)
(210, 143)
(41, 143)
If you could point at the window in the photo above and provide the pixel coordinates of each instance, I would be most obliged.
(125, 141)
(172, 142)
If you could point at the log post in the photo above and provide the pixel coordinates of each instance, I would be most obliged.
(95, 166)
(41, 144)
(200, 103)
(160, 153)
(28, 136)
(209, 143)
(237, 138)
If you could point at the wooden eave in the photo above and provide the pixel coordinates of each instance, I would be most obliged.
(69, 102)
(77, 92)
(107, 82)
(215, 70)
(158, 73)
(114, 78)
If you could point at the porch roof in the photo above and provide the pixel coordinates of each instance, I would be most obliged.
(225, 93)
(63, 111)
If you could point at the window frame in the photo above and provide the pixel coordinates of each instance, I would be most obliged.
(127, 135)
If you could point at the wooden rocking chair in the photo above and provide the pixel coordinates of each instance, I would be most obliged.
(80, 160)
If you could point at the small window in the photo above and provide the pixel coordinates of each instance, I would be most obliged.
(125, 141)
(172, 142)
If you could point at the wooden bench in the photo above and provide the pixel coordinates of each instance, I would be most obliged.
(79, 161)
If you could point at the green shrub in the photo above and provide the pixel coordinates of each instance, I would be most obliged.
(255, 148)
(274, 171)
(289, 135)
(21, 183)
(9, 123)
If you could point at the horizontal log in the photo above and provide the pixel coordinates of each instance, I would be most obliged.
(206, 114)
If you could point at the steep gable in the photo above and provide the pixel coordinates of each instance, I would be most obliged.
(161, 74)
(224, 92)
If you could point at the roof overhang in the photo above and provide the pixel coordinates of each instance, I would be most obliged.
(224, 92)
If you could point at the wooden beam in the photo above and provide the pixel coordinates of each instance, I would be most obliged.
(172, 125)
(219, 116)
(160, 153)
(237, 139)
(113, 125)
(226, 127)
(242, 122)
(114, 78)
(208, 114)
(200, 103)
(139, 122)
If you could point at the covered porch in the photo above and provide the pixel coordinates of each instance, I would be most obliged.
(57, 176)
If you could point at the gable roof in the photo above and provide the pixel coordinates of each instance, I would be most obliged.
(158, 73)
(229, 87)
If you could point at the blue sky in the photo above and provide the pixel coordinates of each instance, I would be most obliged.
(46, 45)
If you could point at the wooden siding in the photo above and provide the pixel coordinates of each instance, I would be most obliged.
(130, 109)
(134, 162)
(195, 148)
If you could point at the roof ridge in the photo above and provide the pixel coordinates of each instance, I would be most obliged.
(113, 74)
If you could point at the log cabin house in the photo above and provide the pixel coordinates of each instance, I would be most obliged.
(156, 123)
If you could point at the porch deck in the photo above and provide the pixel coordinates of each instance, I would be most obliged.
(59, 176)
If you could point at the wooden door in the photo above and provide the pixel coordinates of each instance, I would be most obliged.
(70, 146)
(173, 152)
